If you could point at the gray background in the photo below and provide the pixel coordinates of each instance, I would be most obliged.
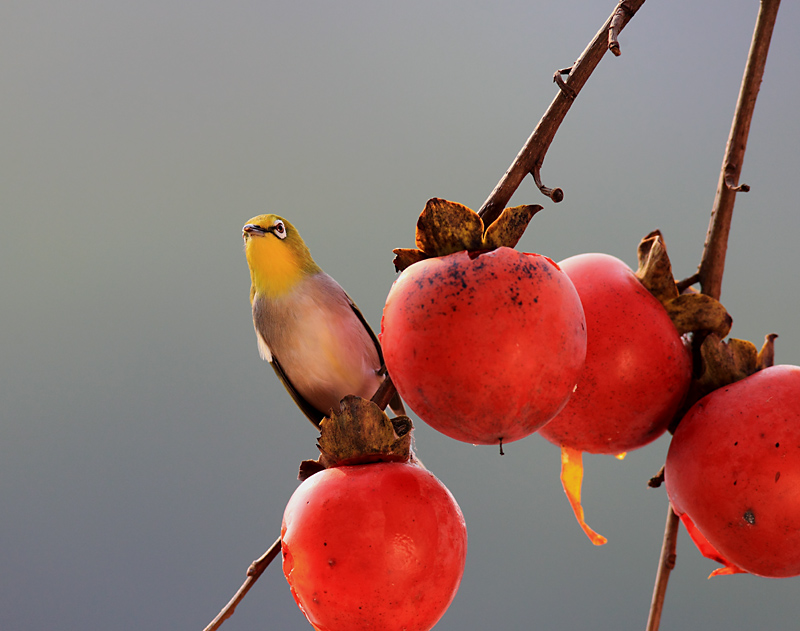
(146, 452)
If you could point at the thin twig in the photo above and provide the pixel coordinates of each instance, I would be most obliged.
(384, 393)
(255, 570)
(556, 194)
(712, 264)
(531, 156)
(684, 284)
(382, 397)
(621, 16)
(666, 563)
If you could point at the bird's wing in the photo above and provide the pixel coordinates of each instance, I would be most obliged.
(396, 403)
(312, 413)
(372, 335)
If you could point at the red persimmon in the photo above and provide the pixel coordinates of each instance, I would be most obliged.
(637, 371)
(733, 473)
(373, 546)
(484, 347)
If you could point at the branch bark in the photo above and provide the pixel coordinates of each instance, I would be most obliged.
(531, 156)
(666, 563)
(712, 264)
(254, 572)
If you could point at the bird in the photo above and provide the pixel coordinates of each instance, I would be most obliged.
(307, 327)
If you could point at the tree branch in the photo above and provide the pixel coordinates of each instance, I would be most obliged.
(254, 572)
(712, 264)
(666, 563)
(531, 156)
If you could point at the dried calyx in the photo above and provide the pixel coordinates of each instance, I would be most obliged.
(446, 227)
(718, 363)
(689, 312)
(359, 433)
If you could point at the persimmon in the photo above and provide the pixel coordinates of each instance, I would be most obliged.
(373, 546)
(733, 473)
(637, 371)
(485, 347)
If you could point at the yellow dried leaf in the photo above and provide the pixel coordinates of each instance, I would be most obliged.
(509, 227)
(446, 227)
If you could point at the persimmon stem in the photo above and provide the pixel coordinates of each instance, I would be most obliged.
(254, 572)
(712, 264)
(666, 563)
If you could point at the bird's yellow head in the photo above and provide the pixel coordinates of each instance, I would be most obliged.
(277, 255)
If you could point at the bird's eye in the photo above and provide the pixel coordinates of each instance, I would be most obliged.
(279, 229)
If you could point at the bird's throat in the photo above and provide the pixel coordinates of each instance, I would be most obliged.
(274, 269)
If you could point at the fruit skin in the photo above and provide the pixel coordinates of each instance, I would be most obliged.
(484, 347)
(376, 546)
(638, 370)
(733, 468)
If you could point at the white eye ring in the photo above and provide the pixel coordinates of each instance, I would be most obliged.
(279, 229)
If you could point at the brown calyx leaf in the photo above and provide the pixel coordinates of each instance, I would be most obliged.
(446, 227)
(766, 356)
(406, 257)
(508, 228)
(698, 312)
(723, 363)
(360, 432)
(655, 269)
(726, 362)
(719, 363)
(689, 311)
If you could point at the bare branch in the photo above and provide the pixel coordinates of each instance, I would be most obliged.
(666, 564)
(254, 572)
(712, 264)
(531, 156)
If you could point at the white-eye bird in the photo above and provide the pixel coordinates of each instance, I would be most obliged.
(307, 327)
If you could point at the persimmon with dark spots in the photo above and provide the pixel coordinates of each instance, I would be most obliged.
(484, 347)
(373, 546)
(733, 474)
(638, 369)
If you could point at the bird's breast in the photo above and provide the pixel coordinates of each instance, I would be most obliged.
(324, 349)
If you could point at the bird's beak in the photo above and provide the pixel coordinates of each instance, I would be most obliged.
(253, 229)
